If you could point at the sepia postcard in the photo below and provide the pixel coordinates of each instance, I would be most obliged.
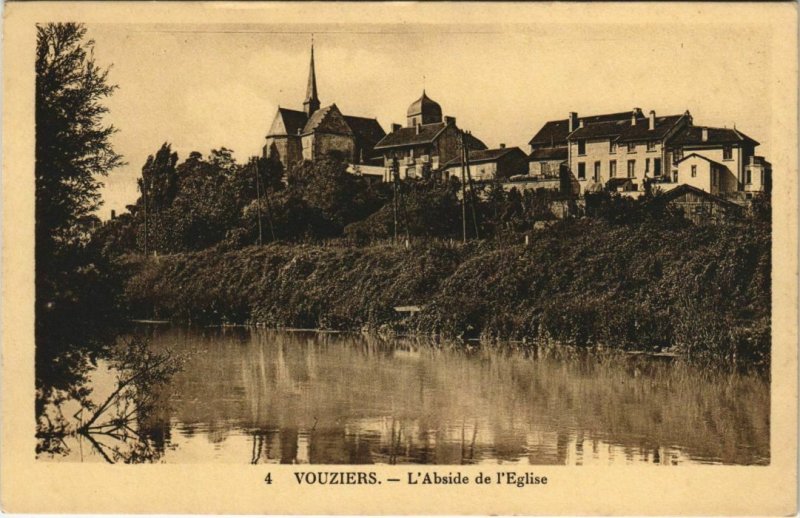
(399, 258)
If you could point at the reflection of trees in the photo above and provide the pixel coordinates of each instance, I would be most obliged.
(112, 427)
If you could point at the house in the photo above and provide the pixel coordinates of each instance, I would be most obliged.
(728, 147)
(703, 173)
(490, 164)
(427, 142)
(315, 132)
(698, 205)
(647, 150)
(635, 148)
(549, 152)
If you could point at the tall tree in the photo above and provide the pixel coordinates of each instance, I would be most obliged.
(73, 151)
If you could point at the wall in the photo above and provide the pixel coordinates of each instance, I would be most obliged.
(598, 150)
(736, 164)
(545, 167)
(702, 180)
(287, 148)
(317, 145)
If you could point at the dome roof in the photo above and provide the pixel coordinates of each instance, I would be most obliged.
(426, 106)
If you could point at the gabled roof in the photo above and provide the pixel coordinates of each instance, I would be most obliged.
(368, 131)
(684, 188)
(642, 129)
(548, 153)
(624, 131)
(554, 133)
(693, 136)
(486, 155)
(327, 120)
(409, 137)
(287, 122)
(695, 155)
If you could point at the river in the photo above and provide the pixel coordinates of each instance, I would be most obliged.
(263, 396)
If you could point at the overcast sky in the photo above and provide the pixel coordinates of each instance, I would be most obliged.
(201, 87)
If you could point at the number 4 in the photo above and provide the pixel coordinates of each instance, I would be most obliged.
(268, 479)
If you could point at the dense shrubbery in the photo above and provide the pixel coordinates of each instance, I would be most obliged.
(701, 290)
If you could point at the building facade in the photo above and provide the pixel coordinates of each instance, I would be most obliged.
(426, 144)
(315, 132)
(491, 164)
(623, 152)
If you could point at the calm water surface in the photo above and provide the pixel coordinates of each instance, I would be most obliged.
(260, 396)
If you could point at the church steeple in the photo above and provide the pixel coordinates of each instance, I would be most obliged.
(311, 104)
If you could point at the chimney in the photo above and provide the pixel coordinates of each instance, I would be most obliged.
(113, 214)
(419, 127)
(652, 120)
(704, 137)
(573, 121)
(634, 113)
(502, 145)
(396, 127)
(450, 121)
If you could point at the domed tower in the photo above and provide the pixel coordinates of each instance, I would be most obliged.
(424, 111)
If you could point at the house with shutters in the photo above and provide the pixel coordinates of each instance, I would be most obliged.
(316, 131)
(625, 151)
(427, 142)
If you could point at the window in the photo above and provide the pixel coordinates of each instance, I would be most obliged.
(727, 153)
(545, 169)
(748, 177)
(597, 171)
(581, 147)
(646, 165)
(677, 155)
(651, 145)
(631, 168)
(657, 166)
(612, 146)
(631, 147)
(612, 168)
(694, 171)
(713, 178)
(581, 171)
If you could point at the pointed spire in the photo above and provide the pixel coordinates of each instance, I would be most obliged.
(311, 104)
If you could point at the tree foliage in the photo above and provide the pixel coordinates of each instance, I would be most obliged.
(72, 152)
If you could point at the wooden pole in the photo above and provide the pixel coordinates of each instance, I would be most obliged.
(463, 189)
(254, 166)
(144, 195)
(395, 175)
(473, 199)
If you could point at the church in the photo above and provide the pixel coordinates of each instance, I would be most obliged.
(315, 132)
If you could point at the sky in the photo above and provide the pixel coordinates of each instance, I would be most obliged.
(204, 86)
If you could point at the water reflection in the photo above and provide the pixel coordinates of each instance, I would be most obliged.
(262, 396)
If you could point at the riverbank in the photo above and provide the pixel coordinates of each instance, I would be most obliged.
(703, 291)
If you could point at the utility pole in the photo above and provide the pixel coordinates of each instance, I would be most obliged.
(395, 179)
(144, 195)
(254, 166)
(473, 198)
(463, 188)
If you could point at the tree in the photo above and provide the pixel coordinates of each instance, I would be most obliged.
(72, 152)
(73, 147)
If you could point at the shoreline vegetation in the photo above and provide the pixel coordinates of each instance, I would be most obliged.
(701, 292)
